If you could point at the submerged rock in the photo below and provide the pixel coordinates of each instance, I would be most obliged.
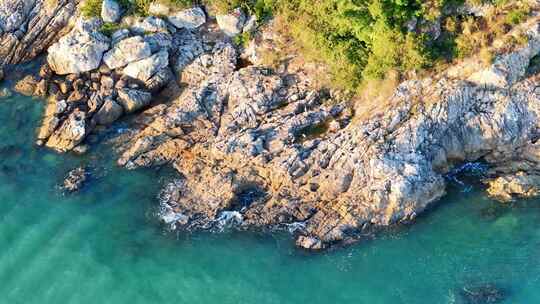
(484, 294)
(75, 179)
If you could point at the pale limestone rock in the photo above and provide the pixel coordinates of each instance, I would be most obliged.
(111, 11)
(127, 51)
(79, 51)
(233, 23)
(189, 18)
(146, 68)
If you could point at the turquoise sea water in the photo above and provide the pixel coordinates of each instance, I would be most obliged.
(104, 245)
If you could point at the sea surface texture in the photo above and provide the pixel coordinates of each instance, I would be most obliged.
(105, 245)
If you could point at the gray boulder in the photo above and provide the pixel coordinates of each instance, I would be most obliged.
(146, 68)
(233, 23)
(133, 100)
(127, 51)
(190, 18)
(79, 51)
(111, 11)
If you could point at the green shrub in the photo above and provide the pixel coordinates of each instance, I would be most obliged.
(91, 8)
(517, 15)
(109, 28)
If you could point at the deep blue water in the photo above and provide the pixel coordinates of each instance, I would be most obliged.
(104, 244)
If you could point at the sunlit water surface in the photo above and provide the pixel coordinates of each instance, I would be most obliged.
(104, 245)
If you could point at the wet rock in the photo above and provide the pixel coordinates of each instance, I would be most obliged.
(79, 51)
(109, 112)
(509, 187)
(71, 133)
(81, 149)
(27, 85)
(233, 23)
(5, 93)
(111, 11)
(309, 243)
(132, 100)
(127, 51)
(189, 18)
(75, 180)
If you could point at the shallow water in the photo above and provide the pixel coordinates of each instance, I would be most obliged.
(104, 245)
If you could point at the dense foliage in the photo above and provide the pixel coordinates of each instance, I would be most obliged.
(362, 40)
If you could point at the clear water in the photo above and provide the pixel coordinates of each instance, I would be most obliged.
(104, 245)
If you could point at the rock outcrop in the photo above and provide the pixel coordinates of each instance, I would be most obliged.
(28, 27)
(266, 140)
(258, 148)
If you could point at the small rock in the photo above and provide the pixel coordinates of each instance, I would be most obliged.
(127, 51)
(158, 9)
(251, 25)
(133, 100)
(190, 18)
(45, 71)
(150, 25)
(159, 41)
(27, 85)
(310, 243)
(146, 68)
(5, 93)
(81, 149)
(111, 11)
(233, 23)
(109, 112)
(119, 35)
(41, 88)
(75, 179)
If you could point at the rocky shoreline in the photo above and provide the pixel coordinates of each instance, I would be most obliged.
(265, 149)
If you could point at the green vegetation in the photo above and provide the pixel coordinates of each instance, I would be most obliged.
(109, 28)
(364, 40)
(91, 8)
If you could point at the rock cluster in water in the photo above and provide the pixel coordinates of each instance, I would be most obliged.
(260, 148)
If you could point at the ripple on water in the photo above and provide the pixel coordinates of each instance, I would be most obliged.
(104, 246)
